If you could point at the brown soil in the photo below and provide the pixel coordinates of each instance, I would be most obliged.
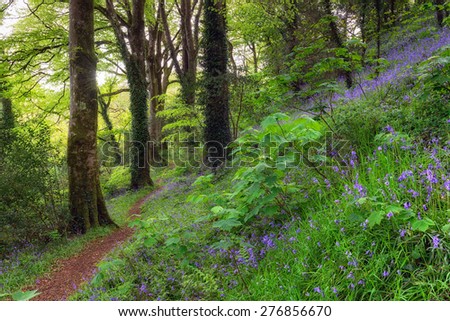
(68, 274)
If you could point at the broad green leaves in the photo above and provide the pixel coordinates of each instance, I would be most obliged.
(396, 213)
(20, 296)
(264, 158)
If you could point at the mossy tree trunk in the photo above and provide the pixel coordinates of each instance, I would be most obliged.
(189, 29)
(7, 113)
(7, 123)
(133, 55)
(86, 202)
(159, 69)
(217, 124)
(112, 145)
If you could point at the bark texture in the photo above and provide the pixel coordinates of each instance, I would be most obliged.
(189, 29)
(86, 202)
(217, 123)
(133, 55)
(440, 12)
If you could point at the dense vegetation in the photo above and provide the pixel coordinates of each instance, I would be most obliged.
(336, 182)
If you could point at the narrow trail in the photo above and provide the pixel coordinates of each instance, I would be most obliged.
(68, 274)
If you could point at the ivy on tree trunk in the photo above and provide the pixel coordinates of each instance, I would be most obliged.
(217, 123)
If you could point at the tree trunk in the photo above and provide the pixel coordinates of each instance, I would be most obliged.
(378, 9)
(7, 121)
(140, 167)
(133, 56)
(112, 148)
(6, 124)
(440, 12)
(363, 27)
(158, 73)
(336, 39)
(217, 123)
(252, 47)
(86, 201)
(189, 28)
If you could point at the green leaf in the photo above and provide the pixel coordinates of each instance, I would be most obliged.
(375, 218)
(271, 210)
(24, 296)
(150, 241)
(172, 241)
(227, 224)
(361, 200)
(446, 228)
(273, 120)
(217, 209)
(422, 225)
(222, 244)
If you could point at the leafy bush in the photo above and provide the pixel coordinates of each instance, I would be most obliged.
(33, 192)
(433, 108)
(264, 159)
(116, 180)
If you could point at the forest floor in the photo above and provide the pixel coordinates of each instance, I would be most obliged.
(68, 274)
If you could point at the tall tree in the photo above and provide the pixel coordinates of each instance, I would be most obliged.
(129, 30)
(86, 202)
(217, 123)
(190, 13)
(159, 68)
(379, 13)
(336, 38)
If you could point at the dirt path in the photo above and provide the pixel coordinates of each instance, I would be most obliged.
(68, 274)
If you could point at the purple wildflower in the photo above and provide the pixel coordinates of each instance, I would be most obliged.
(267, 241)
(389, 129)
(389, 215)
(318, 290)
(447, 185)
(405, 175)
(353, 263)
(385, 274)
(436, 241)
(364, 224)
(143, 288)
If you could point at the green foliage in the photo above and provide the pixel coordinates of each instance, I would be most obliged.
(366, 236)
(183, 122)
(117, 180)
(21, 296)
(32, 187)
(435, 72)
(264, 158)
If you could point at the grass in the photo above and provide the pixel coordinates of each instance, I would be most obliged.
(330, 252)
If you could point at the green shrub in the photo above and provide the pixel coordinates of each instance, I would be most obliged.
(33, 190)
(116, 180)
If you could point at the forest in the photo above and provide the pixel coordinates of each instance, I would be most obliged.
(224, 150)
